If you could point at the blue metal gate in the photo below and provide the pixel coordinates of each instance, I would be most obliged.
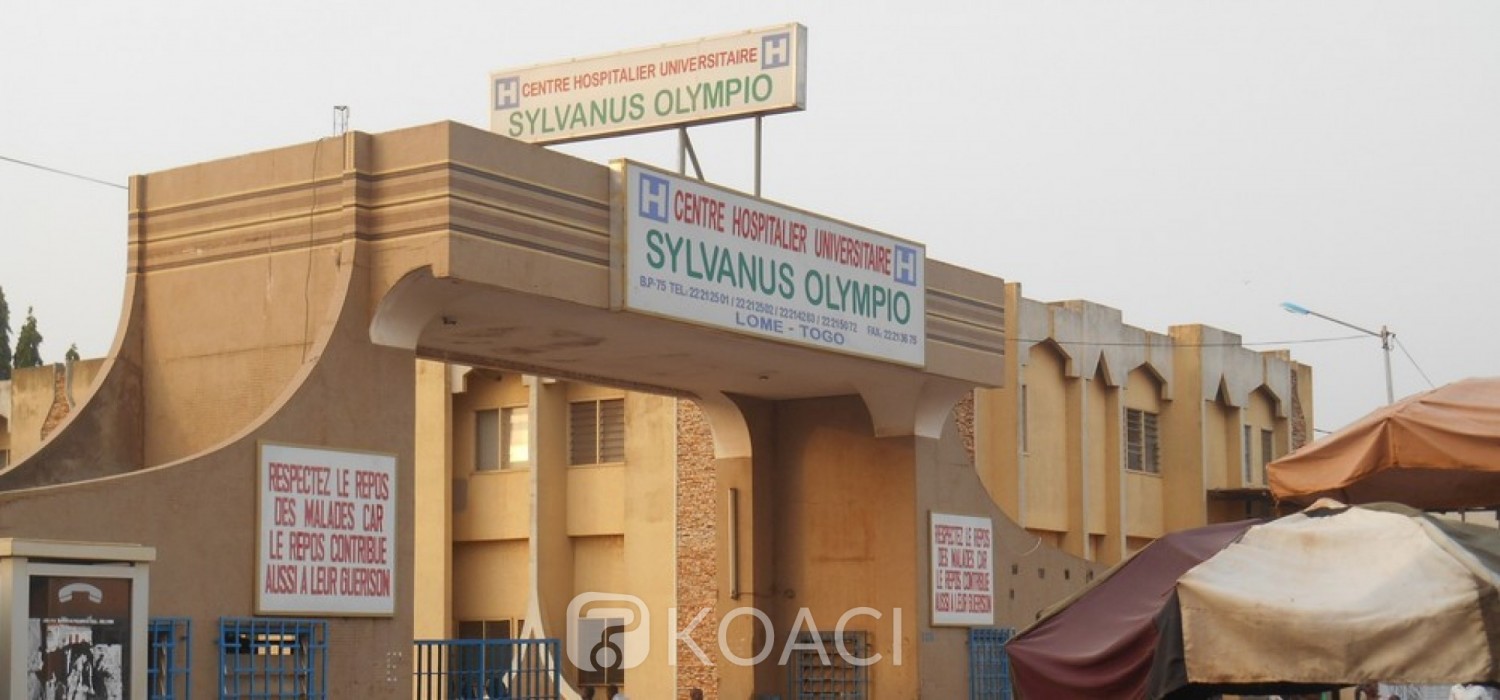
(487, 669)
(989, 667)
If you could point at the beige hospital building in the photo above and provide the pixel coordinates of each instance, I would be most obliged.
(440, 299)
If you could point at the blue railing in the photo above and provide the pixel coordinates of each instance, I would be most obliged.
(487, 669)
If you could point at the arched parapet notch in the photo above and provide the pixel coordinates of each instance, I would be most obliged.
(727, 422)
(918, 405)
(407, 309)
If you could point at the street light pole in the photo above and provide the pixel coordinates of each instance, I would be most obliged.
(1384, 335)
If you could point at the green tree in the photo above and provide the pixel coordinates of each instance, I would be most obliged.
(5, 359)
(28, 343)
(72, 354)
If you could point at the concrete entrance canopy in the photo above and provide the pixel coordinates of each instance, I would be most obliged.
(284, 297)
(522, 282)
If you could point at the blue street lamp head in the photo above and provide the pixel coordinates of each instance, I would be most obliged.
(1293, 308)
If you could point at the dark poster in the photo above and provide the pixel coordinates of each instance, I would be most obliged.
(79, 638)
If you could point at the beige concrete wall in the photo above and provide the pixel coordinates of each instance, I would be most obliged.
(1029, 575)
(603, 528)
(846, 530)
(1099, 469)
(432, 531)
(1047, 480)
(490, 580)
(219, 487)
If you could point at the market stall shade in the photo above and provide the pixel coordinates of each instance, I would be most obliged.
(1329, 597)
(1438, 450)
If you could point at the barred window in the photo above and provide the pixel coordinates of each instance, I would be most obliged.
(1141, 442)
(271, 659)
(596, 432)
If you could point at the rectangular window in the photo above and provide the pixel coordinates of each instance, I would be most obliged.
(1267, 452)
(482, 664)
(1142, 449)
(1025, 424)
(1247, 459)
(596, 432)
(271, 659)
(515, 435)
(484, 629)
(487, 440)
(502, 439)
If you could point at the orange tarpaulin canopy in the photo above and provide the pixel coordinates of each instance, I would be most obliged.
(1438, 450)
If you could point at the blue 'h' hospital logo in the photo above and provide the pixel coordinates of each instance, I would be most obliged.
(775, 50)
(655, 198)
(904, 265)
(507, 93)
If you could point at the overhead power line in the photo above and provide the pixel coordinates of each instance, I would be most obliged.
(86, 178)
(1100, 343)
(1413, 360)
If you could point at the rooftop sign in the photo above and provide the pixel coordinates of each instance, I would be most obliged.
(761, 71)
(716, 257)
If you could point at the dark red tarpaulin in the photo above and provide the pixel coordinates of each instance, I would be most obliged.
(1101, 643)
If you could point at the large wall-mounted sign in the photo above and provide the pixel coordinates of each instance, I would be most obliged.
(963, 566)
(762, 71)
(327, 532)
(700, 253)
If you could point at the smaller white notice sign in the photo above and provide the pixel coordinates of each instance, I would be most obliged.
(327, 532)
(963, 566)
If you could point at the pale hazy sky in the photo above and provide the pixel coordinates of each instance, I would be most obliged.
(1185, 162)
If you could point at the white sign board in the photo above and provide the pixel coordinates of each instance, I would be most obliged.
(761, 71)
(709, 255)
(327, 532)
(963, 566)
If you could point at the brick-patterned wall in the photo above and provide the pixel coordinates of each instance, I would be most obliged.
(1300, 428)
(60, 407)
(963, 415)
(697, 551)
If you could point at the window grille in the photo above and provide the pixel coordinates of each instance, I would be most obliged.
(1142, 448)
(170, 659)
(596, 432)
(273, 659)
(989, 666)
(830, 675)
